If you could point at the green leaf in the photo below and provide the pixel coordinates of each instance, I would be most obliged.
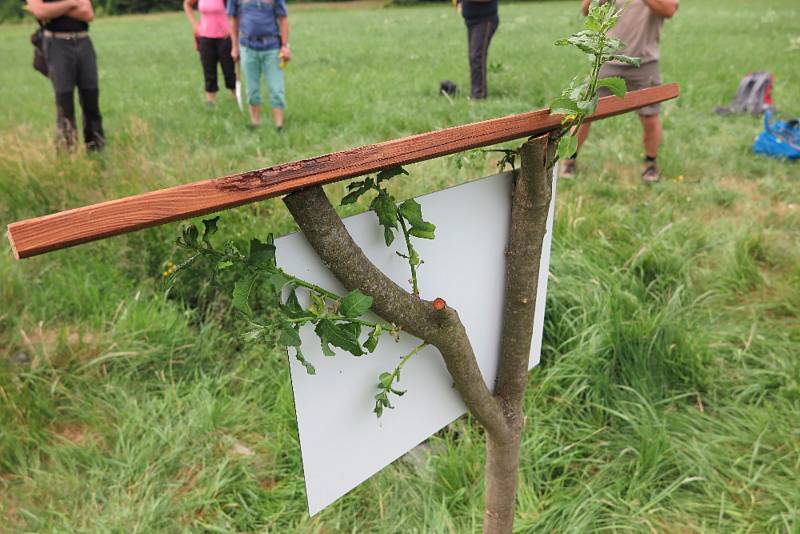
(262, 254)
(567, 146)
(289, 337)
(209, 229)
(563, 106)
(412, 212)
(355, 304)
(336, 335)
(278, 280)
(356, 190)
(190, 235)
(635, 61)
(305, 363)
(372, 341)
(241, 294)
(224, 264)
(386, 380)
(385, 208)
(386, 174)
(614, 84)
(292, 307)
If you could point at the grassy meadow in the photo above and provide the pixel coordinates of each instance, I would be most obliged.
(669, 395)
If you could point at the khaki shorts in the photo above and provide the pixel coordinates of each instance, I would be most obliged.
(648, 75)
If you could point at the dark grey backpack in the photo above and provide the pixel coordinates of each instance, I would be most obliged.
(754, 95)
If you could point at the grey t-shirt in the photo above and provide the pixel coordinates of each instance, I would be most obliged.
(639, 27)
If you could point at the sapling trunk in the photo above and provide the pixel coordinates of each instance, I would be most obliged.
(530, 203)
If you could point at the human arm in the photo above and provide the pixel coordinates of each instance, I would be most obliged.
(51, 10)
(283, 27)
(234, 38)
(188, 8)
(663, 8)
(586, 7)
(83, 12)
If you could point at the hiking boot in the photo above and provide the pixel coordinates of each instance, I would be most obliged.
(650, 174)
(568, 168)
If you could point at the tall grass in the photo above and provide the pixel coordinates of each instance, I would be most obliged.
(669, 390)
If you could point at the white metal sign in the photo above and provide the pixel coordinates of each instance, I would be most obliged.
(342, 441)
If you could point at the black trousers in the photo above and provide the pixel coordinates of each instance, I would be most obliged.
(213, 51)
(479, 36)
(72, 63)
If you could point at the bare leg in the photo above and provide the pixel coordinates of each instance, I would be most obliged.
(255, 115)
(277, 115)
(652, 134)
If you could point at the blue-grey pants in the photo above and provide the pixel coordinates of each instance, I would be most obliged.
(256, 62)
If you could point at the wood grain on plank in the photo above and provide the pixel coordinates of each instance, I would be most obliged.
(73, 227)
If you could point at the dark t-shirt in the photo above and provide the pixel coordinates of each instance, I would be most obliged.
(475, 12)
(65, 24)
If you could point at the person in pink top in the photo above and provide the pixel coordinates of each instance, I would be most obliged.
(213, 43)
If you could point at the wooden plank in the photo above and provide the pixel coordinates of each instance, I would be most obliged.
(73, 227)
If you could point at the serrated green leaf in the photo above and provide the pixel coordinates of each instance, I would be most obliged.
(305, 363)
(385, 380)
(355, 304)
(241, 293)
(262, 254)
(412, 212)
(385, 208)
(614, 84)
(338, 336)
(190, 235)
(224, 264)
(386, 174)
(356, 190)
(292, 307)
(563, 106)
(635, 61)
(567, 146)
(209, 229)
(277, 281)
(289, 337)
(372, 340)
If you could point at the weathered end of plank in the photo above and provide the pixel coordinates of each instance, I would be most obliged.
(72, 227)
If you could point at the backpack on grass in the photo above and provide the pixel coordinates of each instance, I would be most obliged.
(780, 139)
(754, 95)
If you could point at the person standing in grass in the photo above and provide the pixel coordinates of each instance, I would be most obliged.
(482, 20)
(260, 34)
(71, 63)
(639, 27)
(213, 43)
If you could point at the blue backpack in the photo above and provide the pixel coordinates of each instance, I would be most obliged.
(780, 139)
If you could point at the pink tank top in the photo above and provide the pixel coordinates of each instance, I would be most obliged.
(213, 19)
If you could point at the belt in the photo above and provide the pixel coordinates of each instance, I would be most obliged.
(66, 35)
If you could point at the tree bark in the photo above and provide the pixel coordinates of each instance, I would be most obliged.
(530, 204)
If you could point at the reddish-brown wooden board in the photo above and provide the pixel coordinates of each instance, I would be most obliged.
(73, 227)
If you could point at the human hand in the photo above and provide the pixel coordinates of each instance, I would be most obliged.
(285, 53)
(235, 52)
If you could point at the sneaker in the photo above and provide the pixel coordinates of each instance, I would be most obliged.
(568, 168)
(650, 174)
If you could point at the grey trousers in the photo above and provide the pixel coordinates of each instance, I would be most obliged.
(479, 36)
(72, 63)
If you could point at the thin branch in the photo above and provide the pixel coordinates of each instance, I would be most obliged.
(443, 329)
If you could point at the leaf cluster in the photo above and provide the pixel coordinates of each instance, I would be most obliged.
(336, 320)
(579, 99)
(406, 217)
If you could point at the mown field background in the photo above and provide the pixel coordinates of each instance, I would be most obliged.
(669, 396)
